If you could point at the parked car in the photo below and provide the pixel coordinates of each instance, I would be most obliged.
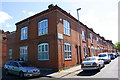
(115, 54)
(112, 56)
(21, 68)
(105, 57)
(92, 63)
(118, 53)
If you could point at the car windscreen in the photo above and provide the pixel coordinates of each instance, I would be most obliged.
(111, 55)
(102, 55)
(90, 59)
(24, 64)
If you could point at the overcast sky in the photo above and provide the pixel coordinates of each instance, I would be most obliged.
(101, 15)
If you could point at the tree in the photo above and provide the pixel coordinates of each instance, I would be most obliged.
(117, 46)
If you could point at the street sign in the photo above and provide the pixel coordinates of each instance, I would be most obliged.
(60, 36)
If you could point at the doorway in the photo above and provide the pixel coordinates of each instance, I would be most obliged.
(77, 56)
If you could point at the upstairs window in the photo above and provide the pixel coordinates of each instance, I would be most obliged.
(97, 39)
(43, 51)
(91, 38)
(24, 33)
(83, 35)
(43, 27)
(67, 51)
(66, 27)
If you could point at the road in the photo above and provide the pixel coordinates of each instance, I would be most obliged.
(43, 76)
(109, 71)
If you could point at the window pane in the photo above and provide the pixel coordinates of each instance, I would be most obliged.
(43, 27)
(67, 51)
(24, 33)
(46, 47)
(66, 27)
(42, 48)
(23, 53)
(44, 51)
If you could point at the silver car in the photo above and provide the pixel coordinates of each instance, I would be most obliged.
(92, 63)
(21, 68)
(105, 56)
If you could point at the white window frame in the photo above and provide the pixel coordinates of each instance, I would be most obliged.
(85, 51)
(91, 37)
(10, 53)
(43, 27)
(24, 53)
(43, 51)
(67, 51)
(66, 27)
(83, 35)
(97, 39)
(93, 51)
(24, 33)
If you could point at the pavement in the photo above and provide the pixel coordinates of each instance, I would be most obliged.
(65, 72)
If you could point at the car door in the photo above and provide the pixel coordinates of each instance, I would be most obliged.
(10, 67)
(16, 68)
(100, 62)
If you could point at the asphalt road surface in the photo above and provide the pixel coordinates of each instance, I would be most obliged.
(109, 71)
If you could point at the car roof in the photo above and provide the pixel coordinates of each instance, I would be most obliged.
(110, 53)
(103, 53)
(93, 57)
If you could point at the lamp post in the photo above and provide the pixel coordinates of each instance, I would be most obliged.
(79, 38)
(78, 13)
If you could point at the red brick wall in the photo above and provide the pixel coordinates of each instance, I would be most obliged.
(33, 40)
(55, 26)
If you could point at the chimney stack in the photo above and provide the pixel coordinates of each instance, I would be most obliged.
(50, 6)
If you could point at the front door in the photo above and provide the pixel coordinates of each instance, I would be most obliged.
(80, 54)
(77, 57)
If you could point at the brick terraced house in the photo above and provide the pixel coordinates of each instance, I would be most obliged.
(3, 48)
(54, 39)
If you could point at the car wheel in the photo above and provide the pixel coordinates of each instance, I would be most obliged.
(103, 65)
(98, 69)
(6, 72)
(21, 74)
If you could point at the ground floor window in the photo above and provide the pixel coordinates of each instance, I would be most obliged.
(98, 50)
(24, 53)
(92, 52)
(85, 53)
(43, 51)
(67, 51)
(10, 53)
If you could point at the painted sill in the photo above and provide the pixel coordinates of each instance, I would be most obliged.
(67, 35)
(84, 41)
(43, 59)
(92, 43)
(23, 39)
(68, 59)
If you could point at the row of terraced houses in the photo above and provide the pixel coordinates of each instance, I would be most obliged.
(54, 39)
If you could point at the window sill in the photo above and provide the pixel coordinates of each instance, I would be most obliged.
(67, 35)
(68, 59)
(97, 45)
(84, 41)
(42, 34)
(23, 39)
(43, 59)
(92, 43)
